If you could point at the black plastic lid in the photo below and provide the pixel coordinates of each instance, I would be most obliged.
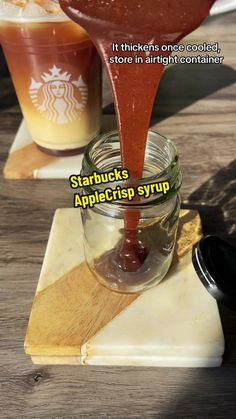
(214, 261)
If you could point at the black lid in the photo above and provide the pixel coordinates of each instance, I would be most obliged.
(214, 261)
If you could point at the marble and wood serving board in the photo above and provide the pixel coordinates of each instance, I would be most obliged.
(75, 320)
(26, 161)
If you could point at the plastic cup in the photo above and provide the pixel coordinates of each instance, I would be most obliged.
(56, 72)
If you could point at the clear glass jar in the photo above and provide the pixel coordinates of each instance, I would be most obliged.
(156, 216)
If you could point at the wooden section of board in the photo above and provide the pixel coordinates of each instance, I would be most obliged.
(22, 163)
(78, 307)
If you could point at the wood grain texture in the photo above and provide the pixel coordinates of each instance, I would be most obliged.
(204, 131)
(22, 163)
(69, 312)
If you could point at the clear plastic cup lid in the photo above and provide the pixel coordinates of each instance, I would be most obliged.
(31, 10)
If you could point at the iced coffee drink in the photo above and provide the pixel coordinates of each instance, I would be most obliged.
(56, 72)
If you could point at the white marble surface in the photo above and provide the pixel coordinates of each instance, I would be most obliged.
(22, 138)
(174, 324)
(64, 249)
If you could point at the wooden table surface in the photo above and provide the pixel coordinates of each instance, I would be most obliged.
(197, 109)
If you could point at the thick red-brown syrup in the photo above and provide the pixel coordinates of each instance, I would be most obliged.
(134, 85)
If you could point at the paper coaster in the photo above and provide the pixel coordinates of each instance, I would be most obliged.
(74, 320)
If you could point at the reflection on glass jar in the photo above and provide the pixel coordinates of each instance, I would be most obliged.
(155, 218)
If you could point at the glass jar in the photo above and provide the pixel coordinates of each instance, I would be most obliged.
(155, 218)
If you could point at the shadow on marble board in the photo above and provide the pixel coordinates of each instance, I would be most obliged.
(216, 201)
(184, 84)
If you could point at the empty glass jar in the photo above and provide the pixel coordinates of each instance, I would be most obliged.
(154, 220)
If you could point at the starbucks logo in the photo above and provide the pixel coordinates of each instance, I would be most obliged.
(58, 98)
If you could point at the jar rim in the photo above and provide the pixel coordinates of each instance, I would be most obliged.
(170, 173)
(172, 163)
